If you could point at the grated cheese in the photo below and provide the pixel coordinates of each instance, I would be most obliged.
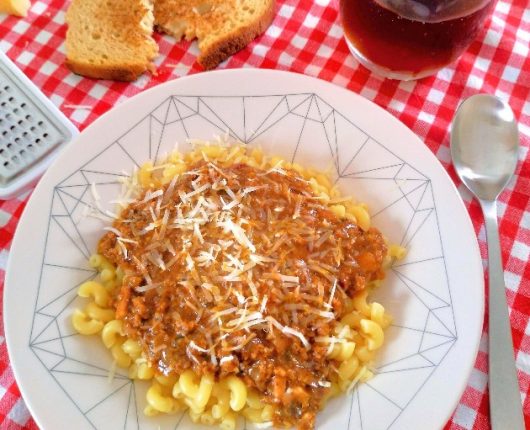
(238, 232)
(289, 330)
(263, 425)
(112, 372)
(148, 287)
(214, 232)
(263, 303)
(226, 359)
(113, 230)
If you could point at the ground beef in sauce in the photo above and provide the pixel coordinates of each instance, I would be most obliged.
(196, 289)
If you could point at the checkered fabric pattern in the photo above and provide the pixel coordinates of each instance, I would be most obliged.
(306, 37)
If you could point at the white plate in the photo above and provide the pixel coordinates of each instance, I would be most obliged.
(436, 295)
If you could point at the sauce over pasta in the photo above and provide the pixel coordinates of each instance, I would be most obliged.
(236, 270)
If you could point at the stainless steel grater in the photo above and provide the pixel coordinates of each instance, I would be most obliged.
(32, 131)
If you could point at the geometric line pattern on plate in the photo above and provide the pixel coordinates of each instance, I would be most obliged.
(358, 161)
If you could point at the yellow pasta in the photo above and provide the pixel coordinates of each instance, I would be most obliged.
(338, 210)
(112, 332)
(364, 354)
(253, 399)
(397, 252)
(120, 356)
(348, 367)
(132, 348)
(141, 370)
(360, 304)
(159, 402)
(346, 351)
(207, 419)
(145, 372)
(188, 383)
(353, 319)
(107, 275)
(84, 324)
(166, 380)
(98, 313)
(374, 334)
(96, 291)
(204, 392)
(95, 261)
(222, 405)
(144, 174)
(378, 315)
(238, 392)
(149, 411)
(351, 345)
(267, 413)
(253, 415)
(228, 422)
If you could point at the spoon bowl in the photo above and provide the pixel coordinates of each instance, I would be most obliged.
(484, 145)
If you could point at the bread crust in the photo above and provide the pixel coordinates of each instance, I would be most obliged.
(126, 73)
(236, 40)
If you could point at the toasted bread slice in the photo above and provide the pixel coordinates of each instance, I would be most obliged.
(110, 39)
(222, 27)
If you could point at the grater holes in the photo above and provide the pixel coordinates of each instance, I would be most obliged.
(25, 124)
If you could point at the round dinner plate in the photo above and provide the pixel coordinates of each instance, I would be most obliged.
(435, 295)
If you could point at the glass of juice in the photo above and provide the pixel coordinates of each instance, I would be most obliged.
(411, 39)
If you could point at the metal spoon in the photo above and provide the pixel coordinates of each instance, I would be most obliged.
(484, 145)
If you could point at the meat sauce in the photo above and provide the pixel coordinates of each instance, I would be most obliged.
(188, 296)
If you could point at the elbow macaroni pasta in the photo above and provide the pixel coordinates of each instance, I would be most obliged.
(210, 402)
(359, 332)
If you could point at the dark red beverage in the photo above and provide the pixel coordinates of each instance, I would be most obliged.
(408, 39)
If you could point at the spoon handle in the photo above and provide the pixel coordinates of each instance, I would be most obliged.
(505, 399)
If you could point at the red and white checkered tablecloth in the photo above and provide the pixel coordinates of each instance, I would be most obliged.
(306, 37)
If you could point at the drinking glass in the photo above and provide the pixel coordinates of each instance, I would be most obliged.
(411, 39)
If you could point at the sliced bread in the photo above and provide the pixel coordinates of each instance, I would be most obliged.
(110, 39)
(222, 27)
